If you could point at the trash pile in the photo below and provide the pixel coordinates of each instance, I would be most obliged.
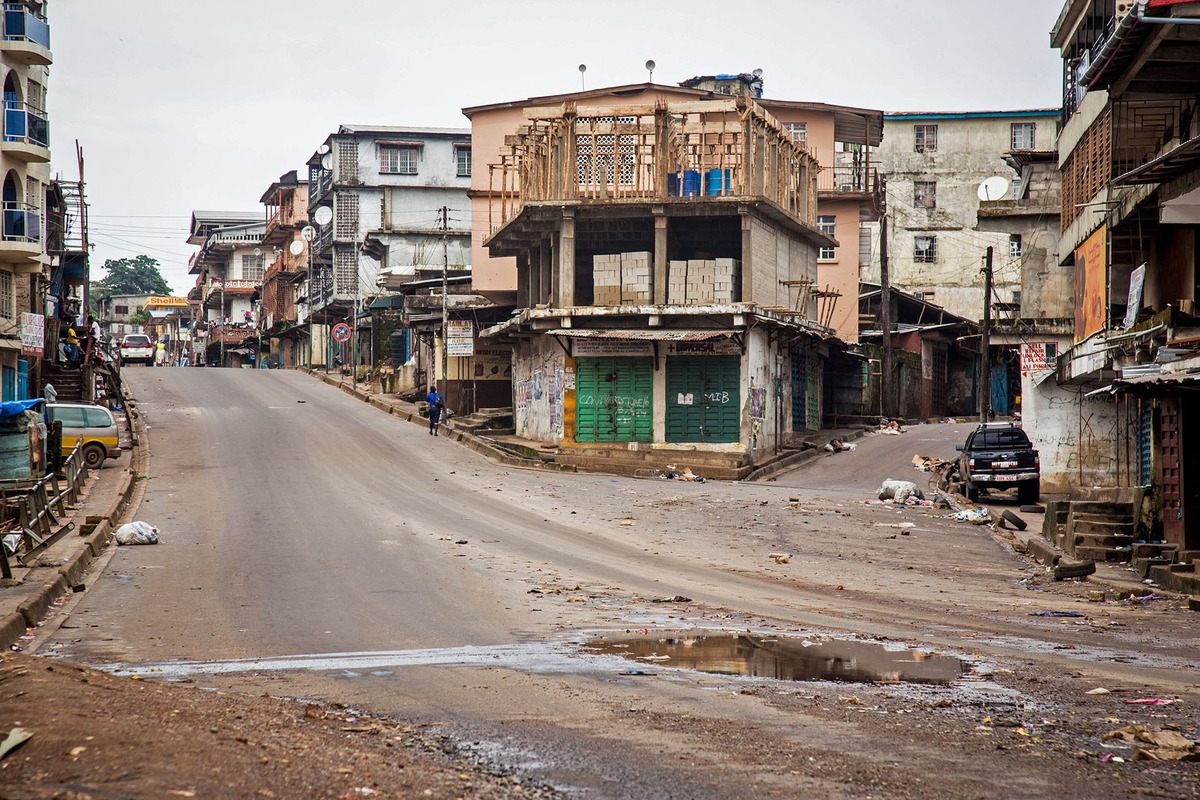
(1152, 745)
(838, 446)
(930, 464)
(890, 426)
(672, 474)
(136, 533)
(899, 492)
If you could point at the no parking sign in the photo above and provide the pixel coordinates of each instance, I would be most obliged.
(341, 332)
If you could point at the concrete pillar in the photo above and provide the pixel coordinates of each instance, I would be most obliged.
(545, 273)
(747, 259)
(566, 261)
(661, 268)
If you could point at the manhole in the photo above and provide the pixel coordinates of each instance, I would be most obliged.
(782, 658)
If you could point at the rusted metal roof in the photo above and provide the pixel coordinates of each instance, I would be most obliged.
(644, 334)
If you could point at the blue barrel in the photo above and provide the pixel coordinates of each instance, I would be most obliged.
(672, 184)
(717, 182)
(690, 185)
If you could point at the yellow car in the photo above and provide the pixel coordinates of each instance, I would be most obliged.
(95, 425)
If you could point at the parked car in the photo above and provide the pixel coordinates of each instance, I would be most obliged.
(998, 455)
(95, 425)
(137, 347)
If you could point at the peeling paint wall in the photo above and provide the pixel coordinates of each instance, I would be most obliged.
(1076, 437)
(540, 381)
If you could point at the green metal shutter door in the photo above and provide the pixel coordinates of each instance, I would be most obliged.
(813, 403)
(799, 390)
(613, 400)
(712, 384)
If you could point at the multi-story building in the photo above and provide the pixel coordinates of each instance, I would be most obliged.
(25, 163)
(229, 268)
(1129, 153)
(283, 339)
(665, 249)
(383, 200)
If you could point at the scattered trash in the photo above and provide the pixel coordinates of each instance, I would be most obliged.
(1107, 757)
(838, 446)
(975, 516)
(1014, 520)
(638, 672)
(16, 737)
(1142, 598)
(136, 533)
(1099, 690)
(676, 599)
(671, 474)
(890, 426)
(1150, 701)
(1055, 614)
(1079, 569)
(1096, 597)
(1165, 745)
(780, 558)
(460, 541)
(928, 464)
(899, 491)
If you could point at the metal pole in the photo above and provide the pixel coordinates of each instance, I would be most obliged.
(445, 282)
(985, 360)
(224, 316)
(357, 296)
(885, 307)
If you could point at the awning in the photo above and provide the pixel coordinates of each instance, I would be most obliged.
(1175, 162)
(1170, 380)
(644, 334)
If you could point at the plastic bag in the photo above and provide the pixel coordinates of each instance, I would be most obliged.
(899, 491)
(136, 533)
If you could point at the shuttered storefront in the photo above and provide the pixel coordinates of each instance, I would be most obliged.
(703, 399)
(613, 399)
(806, 390)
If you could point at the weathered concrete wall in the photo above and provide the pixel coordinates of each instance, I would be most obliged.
(539, 384)
(1076, 437)
(777, 255)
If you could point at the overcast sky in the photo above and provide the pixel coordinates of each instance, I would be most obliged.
(201, 104)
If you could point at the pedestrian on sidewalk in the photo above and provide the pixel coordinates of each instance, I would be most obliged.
(436, 404)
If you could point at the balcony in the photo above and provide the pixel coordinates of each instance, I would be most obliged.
(705, 152)
(21, 242)
(26, 133)
(26, 36)
(847, 181)
(320, 181)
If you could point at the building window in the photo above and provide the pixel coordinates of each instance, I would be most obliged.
(828, 226)
(925, 194)
(926, 296)
(925, 249)
(398, 160)
(8, 300)
(120, 311)
(1022, 136)
(799, 132)
(1017, 298)
(252, 267)
(1014, 245)
(462, 157)
(925, 138)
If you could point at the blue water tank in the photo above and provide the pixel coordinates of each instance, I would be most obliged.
(690, 185)
(717, 182)
(673, 184)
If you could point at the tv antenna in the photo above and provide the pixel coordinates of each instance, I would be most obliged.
(582, 80)
(650, 65)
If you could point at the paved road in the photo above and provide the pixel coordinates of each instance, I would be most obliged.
(347, 555)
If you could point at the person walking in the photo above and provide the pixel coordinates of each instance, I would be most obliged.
(436, 404)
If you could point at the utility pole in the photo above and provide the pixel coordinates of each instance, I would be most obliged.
(445, 283)
(985, 361)
(357, 301)
(885, 304)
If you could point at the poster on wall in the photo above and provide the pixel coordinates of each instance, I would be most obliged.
(1036, 357)
(33, 335)
(1091, 285)
(1137, 281)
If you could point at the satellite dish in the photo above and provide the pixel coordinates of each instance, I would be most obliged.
(327, 161)
(296, 247)
(993, 188)
(308, 233)
(323, 215)
(258, 251)
(582, 80)
(757, 73)
(650, 65)
(323, 149)
(582, 68)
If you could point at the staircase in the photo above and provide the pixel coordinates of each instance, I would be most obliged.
(1100, 524)
(70, 384)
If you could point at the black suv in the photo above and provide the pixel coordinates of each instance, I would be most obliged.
(998, 455)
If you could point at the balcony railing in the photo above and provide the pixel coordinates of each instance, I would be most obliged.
(22, 25)
(24, 124)
(703, 150)
(847, 179)
(22, 223)
(320, 181)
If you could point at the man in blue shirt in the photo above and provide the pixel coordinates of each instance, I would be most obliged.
(436, 404)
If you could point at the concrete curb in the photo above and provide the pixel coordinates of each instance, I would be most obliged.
(796, 459)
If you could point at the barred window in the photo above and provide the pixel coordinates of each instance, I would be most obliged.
(345, 270)
(925, 249)
(595, 158)
(462, 158)
(402, 160)
(252, 266)
(799, 132)
(1022, 136)
(925, 194)
(345, 206)
(925, 138)
(1014, 245)
(347, 162)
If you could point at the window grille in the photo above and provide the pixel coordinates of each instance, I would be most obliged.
(345, 270)
(799, 132)
(925, 138)
(345, 206)
(925, 194)
(462, 157)
(595, 158)
(828, 226)
(7, 296)
(1023, 136)
(1014, 245)
(347, 160)
(399, 160)
(925, 249)
(252, 267)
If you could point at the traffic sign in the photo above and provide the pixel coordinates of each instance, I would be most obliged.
(341, 332)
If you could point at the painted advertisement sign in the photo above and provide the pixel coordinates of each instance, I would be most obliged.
(460, 338)
(1091, 285)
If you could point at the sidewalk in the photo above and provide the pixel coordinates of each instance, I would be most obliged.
(27, 599)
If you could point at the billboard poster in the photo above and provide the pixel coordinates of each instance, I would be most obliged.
(1091, 285)
(460, 338)
(1137, 282)
(33, 335)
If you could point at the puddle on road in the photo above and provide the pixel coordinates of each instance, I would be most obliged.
(782, 658)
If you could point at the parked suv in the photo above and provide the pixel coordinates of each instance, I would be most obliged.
(94, 425)
(998, 455)
(137, 347)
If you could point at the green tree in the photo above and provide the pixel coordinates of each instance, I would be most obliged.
(137, 275)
